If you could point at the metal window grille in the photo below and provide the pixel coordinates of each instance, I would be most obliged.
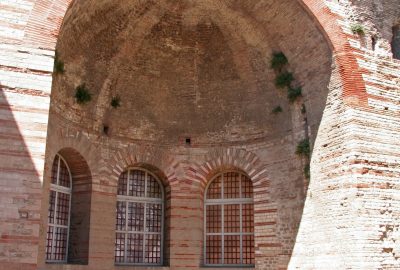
(229, 221)
(59, 212)
(140, 219)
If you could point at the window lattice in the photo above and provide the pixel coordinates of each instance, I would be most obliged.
(59, 212)
(139, 223)
(229, 221)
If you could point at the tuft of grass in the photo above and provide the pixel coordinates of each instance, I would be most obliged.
(58, 64)
(294, 93)
(303, 148)
(278, 61)
(284, 79)
(307, 171)
(357, 29)
(277, 109)
(115, 102)
(82, 94)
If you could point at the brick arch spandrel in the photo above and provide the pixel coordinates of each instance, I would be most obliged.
(354, 90)
(138, 156)
(45, 21)
(77, 141)
(222, 158)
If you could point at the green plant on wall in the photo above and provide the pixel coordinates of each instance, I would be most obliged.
(294, 93)
(284, 79)
(277, 109)
(82, 94)
(357, 29)
(115, 102)
(303, 148)
(278, 61)
(58, 64)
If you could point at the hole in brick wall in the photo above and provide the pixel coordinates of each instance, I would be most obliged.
(396, 42)
(373, 43)
(23, 214)
(188, 141)
(303, 109)
(386, 108)
(106, 129)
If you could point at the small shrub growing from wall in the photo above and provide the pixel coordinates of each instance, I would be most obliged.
(294, 93)
(303, 148)
(82, 94)
(115, 102)
(284, 79)
(357, 29)
(278, 61)
(277, 110)
(58, 64)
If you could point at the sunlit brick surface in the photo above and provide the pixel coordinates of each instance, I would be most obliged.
(346, 218)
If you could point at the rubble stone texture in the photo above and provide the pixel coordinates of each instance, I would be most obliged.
(201, 70)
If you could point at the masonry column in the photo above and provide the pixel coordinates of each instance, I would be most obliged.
(102, 225)
(186, 223)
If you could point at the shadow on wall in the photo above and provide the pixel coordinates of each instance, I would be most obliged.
(20, 183)
(78, 250)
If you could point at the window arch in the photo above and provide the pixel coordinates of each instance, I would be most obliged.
(59, 211)
(229, 221)
(139, 220)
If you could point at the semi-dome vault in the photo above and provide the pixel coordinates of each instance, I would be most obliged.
(203, 161)
(189, 68)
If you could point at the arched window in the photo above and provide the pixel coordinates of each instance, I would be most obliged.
(229, 221)
(140, 215)
(59, 212)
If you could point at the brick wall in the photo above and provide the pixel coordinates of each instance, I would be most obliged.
(360, 199)
(349, 215)
(25, 81)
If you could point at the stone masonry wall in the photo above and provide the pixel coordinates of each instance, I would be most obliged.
(187, 59)
(27, 40)
(351, 212)
(362, 193)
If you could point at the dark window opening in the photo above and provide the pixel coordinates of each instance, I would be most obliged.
(106, 129)
(396, 42)
(69, 208)
(373, 41)
(188, 141)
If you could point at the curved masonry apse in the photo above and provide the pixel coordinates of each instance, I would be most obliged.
(197, 95)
